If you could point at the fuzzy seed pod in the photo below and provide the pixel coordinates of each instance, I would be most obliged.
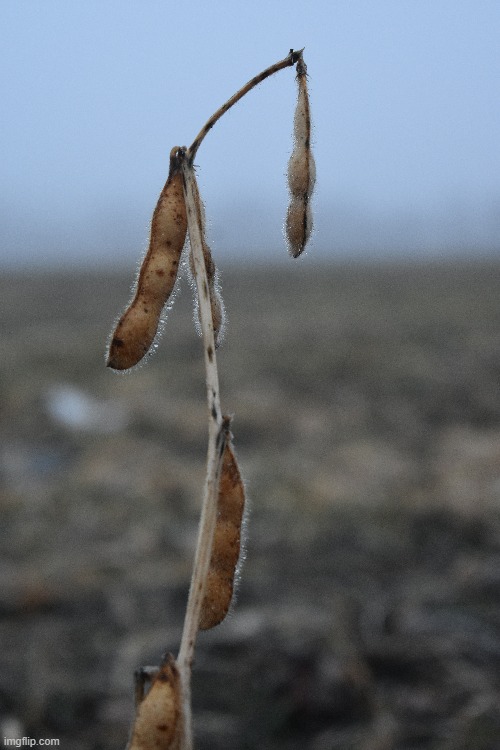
(227, 540)
(301, 171)
(137, 327)
(157, 724)
(216, 301)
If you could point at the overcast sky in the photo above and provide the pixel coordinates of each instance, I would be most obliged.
(405, 97)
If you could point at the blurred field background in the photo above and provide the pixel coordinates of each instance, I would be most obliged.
(367, 424)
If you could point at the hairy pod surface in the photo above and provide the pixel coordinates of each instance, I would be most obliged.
(301, 171)
(157, 724)
(226, 543)
(137, 327)
(216, 301)
(299, 225)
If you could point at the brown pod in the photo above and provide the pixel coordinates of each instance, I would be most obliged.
(216, 301)
(157, 724)
(301, 171)
(227, 540)
(137, 327)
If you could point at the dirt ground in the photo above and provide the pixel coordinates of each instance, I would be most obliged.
(366, 406)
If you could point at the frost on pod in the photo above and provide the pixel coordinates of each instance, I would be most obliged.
(158, 718)
(137, 327)
(227, 539)
(301, 171)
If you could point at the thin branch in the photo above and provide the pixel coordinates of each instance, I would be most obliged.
(290, 59)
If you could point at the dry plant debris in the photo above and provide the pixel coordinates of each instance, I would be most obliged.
(163, 716)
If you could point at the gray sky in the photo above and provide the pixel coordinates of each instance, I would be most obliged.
(405, 99)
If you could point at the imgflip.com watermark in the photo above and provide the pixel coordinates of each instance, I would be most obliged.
(30, 742)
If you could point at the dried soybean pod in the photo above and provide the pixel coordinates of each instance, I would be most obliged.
(301, 171)
(137, 327)
(216, 302)
(227, 539)
(157, 723)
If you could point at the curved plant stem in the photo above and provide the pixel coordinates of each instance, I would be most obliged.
(216, 442)
(290, 59)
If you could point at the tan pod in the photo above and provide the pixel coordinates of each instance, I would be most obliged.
(137, 327)
(216, 302)
(301, 171)
(157, 724)
(227, 540)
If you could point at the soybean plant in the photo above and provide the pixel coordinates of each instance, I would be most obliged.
(163, 712)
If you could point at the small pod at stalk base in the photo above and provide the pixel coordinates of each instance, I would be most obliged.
(301, 171)
(158, 718)
(227, 539)
(137, 327)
